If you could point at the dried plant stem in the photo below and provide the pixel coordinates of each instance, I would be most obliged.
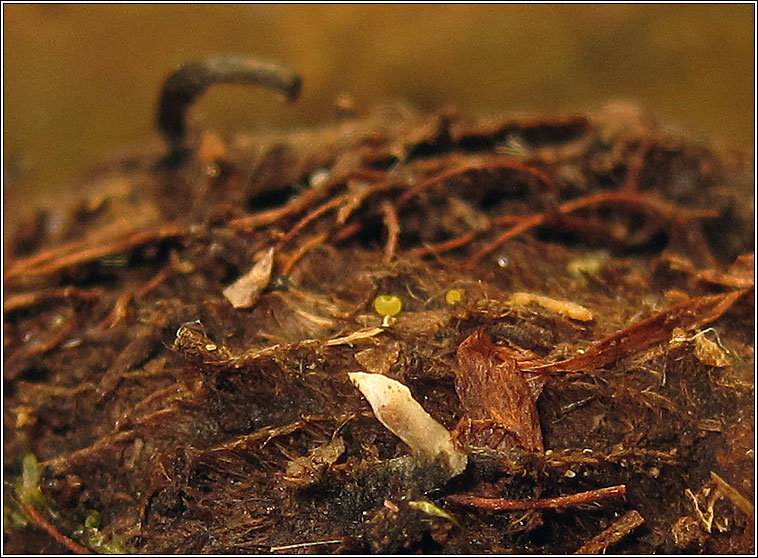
(303, 249)
(303, 545)
(733, 495)
(312, 216)
(183, 86)
(503, 504)
(613, 534)
(53, 531)
(70, 254)
(628, 200)
(77, 456)
(393, 230)
(487, 164)
(689, 314)
(25, 300)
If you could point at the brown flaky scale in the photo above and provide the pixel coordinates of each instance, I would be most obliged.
(492, 388)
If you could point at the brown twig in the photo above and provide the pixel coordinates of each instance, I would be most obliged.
(525, 225)
(53, 531)
(687, 315)
(445, 246)
(268, 217)
(613, 534)
(77, 456)
(120, 310)
(393, 230)
(465, 238)
(184, 85)
(312, 216)
(303, 249)
(25, 300)
(306, 199)
(628, 200)
(486, 164)
(634, 167)
(63, 257)
(346, 232)
(503, 504)
(153, 283)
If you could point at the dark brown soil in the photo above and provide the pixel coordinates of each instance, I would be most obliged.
(193, 426)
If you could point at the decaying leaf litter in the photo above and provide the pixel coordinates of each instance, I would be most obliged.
(564, 340)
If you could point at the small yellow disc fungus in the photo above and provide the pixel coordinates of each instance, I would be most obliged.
(453, 296)
(388, 305)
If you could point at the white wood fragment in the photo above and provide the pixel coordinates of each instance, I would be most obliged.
(396, 409)
(244, 292)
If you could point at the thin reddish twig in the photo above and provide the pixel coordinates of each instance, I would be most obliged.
(686, 315)
(346, 232)
(525, 225)
(646, 204)
(486, 164)
(312, 216)
(634, 168)
(153, 283)
(445, 246)
(393, 230)
(303, 249)
(301, 202)
(504, 504)
(262, 218)
(613, 534)
(465, 238)
(24, 300)
(63, 258)
(52, 530)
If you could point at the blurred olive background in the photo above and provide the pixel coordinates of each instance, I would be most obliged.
(81, 81)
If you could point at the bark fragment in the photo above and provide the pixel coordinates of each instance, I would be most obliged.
(491, 387)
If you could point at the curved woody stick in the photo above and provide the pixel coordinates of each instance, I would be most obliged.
(183, 86)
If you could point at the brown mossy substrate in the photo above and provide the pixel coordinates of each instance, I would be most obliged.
(192, 426)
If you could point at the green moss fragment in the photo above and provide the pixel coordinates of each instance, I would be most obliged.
(93, 520)
(27, 488)
(13, 519)
(591, 264)
(90, 534)
(430, 508)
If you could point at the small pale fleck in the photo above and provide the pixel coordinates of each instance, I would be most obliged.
(71, 343)
(318, 178)
(210, 347)
(392, 506)
(244, 292)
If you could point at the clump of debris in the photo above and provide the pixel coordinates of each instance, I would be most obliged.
(401, 332)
